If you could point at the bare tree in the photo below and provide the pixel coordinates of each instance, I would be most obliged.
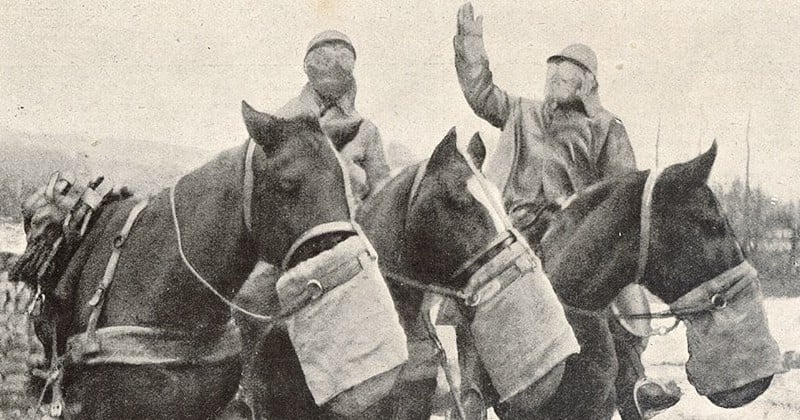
(747, 210)
(658, 139)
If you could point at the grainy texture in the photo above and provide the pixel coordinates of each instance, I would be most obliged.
(19, 350)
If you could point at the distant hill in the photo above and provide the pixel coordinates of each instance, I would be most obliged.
(27, 160)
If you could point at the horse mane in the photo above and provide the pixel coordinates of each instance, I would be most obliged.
(603, 212)
(390, 204)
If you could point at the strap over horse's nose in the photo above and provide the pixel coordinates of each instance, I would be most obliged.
(338, 226)
(247, 193)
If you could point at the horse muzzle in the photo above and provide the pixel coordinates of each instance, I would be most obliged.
(728, 338)
(519, 326)
(343, 326)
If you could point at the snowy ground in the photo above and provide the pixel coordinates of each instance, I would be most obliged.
(665, 358)
(12, 237)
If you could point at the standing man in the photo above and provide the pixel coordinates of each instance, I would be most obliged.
(526, 146)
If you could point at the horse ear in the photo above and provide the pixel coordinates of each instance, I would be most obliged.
(477, 150)
(444, 151)
(260, 126)
(695, 171)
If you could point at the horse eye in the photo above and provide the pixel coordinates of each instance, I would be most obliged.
(460, 201)
(714, 225)
(288, 185)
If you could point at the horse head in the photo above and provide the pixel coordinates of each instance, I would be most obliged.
(669, 233)
(454, 212)
(331, 289)
(298, 184)
(699, 268)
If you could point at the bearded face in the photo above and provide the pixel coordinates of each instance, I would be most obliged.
(566, 90)
(564, 81)
(329, 69)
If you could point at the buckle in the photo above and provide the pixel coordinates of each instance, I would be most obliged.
(315, 288)
(718, 302)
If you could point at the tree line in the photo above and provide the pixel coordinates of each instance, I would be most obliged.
(767, 229)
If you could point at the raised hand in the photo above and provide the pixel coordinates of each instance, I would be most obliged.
(467, 23)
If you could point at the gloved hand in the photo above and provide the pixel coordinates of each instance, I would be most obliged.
(468, 41)
(467, 23)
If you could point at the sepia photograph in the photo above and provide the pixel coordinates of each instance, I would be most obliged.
(445, 210)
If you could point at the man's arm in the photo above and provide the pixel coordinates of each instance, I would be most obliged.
(472, 66)
(616, 157)
(374, 159)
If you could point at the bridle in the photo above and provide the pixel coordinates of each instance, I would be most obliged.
(469, 295)
(502, 241)
(681, 308)
(247, 199)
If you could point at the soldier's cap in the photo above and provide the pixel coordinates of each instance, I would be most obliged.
(580, 55)
(330, 37)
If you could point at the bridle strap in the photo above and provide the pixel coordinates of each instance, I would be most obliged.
(247, 185)
(502, 241)
(338, 226)
(394, 276)
(423, 167)
(644, 244)
(645, 224)
(247, 197)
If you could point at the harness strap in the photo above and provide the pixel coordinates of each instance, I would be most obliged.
(98, 299)
(645, 219)
(394, 276)
(247, 188)
(501, 277)
(429, 317)
(715, 294)
(423, 167)
(338, 226)
(709, 296)
(471, 266)
(135, 345)
(53, 375)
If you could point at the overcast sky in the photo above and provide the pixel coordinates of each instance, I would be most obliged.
(177, 73)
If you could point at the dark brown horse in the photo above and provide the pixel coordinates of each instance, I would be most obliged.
(676, 240)
(428, 221)
(164, 347)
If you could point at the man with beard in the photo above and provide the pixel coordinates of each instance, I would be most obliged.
(550, 149)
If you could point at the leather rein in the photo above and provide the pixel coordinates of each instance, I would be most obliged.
(247, 199)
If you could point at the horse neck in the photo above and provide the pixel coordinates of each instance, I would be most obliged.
(591, 251)
(383, 218)
(209, 208)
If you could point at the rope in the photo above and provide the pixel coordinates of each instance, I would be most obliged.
(203, 281)
(403, 280)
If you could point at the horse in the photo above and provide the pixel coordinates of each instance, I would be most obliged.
(434, 221)
(668, 233)
(157, 341)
